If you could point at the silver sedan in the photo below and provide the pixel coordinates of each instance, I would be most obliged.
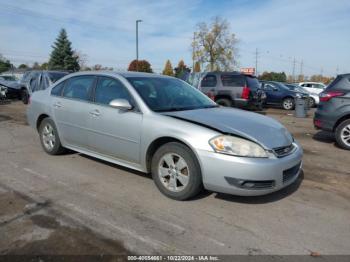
(162, 125)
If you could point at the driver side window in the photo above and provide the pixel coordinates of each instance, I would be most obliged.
(108, 89)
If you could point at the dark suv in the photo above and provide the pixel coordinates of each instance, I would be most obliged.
(38, 80)
(333, 112)
(233, 89)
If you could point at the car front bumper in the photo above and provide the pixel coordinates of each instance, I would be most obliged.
(249, 176)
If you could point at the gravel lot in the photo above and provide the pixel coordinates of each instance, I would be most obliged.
(93, 207)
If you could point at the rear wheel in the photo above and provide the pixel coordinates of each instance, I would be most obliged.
(224, 102)
(25, 96)
(288, 103)
(342, 134)
(49, 137)
(176, 172)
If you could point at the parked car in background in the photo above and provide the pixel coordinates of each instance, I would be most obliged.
(12, 85)
(313, 87)
(162, 125)
(314, 99)
(233, 89)
(3, 91)
(38, 80)
(280, 95)
(333, 112)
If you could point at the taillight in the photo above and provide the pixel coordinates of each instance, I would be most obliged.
(211, 95)
(324, 97)
(245, 92)
(317, 123)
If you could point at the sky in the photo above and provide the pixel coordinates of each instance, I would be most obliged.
(316, 33)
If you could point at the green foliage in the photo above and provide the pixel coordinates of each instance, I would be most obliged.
(273, 76)
(5, 64)
(197, 67)
(23, 66)
(62, 56)
(181, 69)
(168, 69)
(140, 66)
(44, 66)
(214, 45)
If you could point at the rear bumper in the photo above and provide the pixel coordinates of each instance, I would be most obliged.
(249, 176)
(324, 121)
(245, 103)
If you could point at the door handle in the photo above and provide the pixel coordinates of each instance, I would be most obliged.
(95, 112)
(57, 104)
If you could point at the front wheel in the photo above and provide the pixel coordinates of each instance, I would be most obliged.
(288, 103)
(49, 137)
(176, 172)
(342, 134)
(24, 96)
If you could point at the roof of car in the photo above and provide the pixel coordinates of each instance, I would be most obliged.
(123, 74)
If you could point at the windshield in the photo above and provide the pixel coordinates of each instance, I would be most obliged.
(9, 78)
(169, 94)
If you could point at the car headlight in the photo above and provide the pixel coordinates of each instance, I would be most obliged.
(236, 146)
(298, 95)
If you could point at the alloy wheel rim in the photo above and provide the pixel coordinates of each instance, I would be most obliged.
(173, 172)
(345, 135)
(288, 104)
(48, 137)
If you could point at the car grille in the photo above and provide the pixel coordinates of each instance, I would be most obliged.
(284, 151)
(291, 173)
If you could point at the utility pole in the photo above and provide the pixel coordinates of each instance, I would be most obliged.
(256, 61)
(137, 44)
(301, 71)
(337, 70)
(293, 74)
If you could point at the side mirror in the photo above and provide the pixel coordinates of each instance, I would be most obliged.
(275, 89)
(121, 104)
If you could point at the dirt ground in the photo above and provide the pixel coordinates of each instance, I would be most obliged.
(74, 204)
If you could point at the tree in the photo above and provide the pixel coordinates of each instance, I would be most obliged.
(36, 66)
(181, 69)
(62, 56)
(168, 69)
(23, 66)
(44, 66)
(197, 67)
(140, 66)
(273, 76)
(5, 64)
(214, 45)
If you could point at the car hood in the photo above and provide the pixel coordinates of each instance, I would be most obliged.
(261, 129)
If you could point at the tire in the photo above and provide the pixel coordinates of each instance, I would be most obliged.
(24, 96)
(288, 103)
(342, 134)
(47, 129)
(187, 177)
(224, 102)
(312, 102)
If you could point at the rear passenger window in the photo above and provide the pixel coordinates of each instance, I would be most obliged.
(232, 80)
(209, 81)
(79, 87)
(57, 90)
